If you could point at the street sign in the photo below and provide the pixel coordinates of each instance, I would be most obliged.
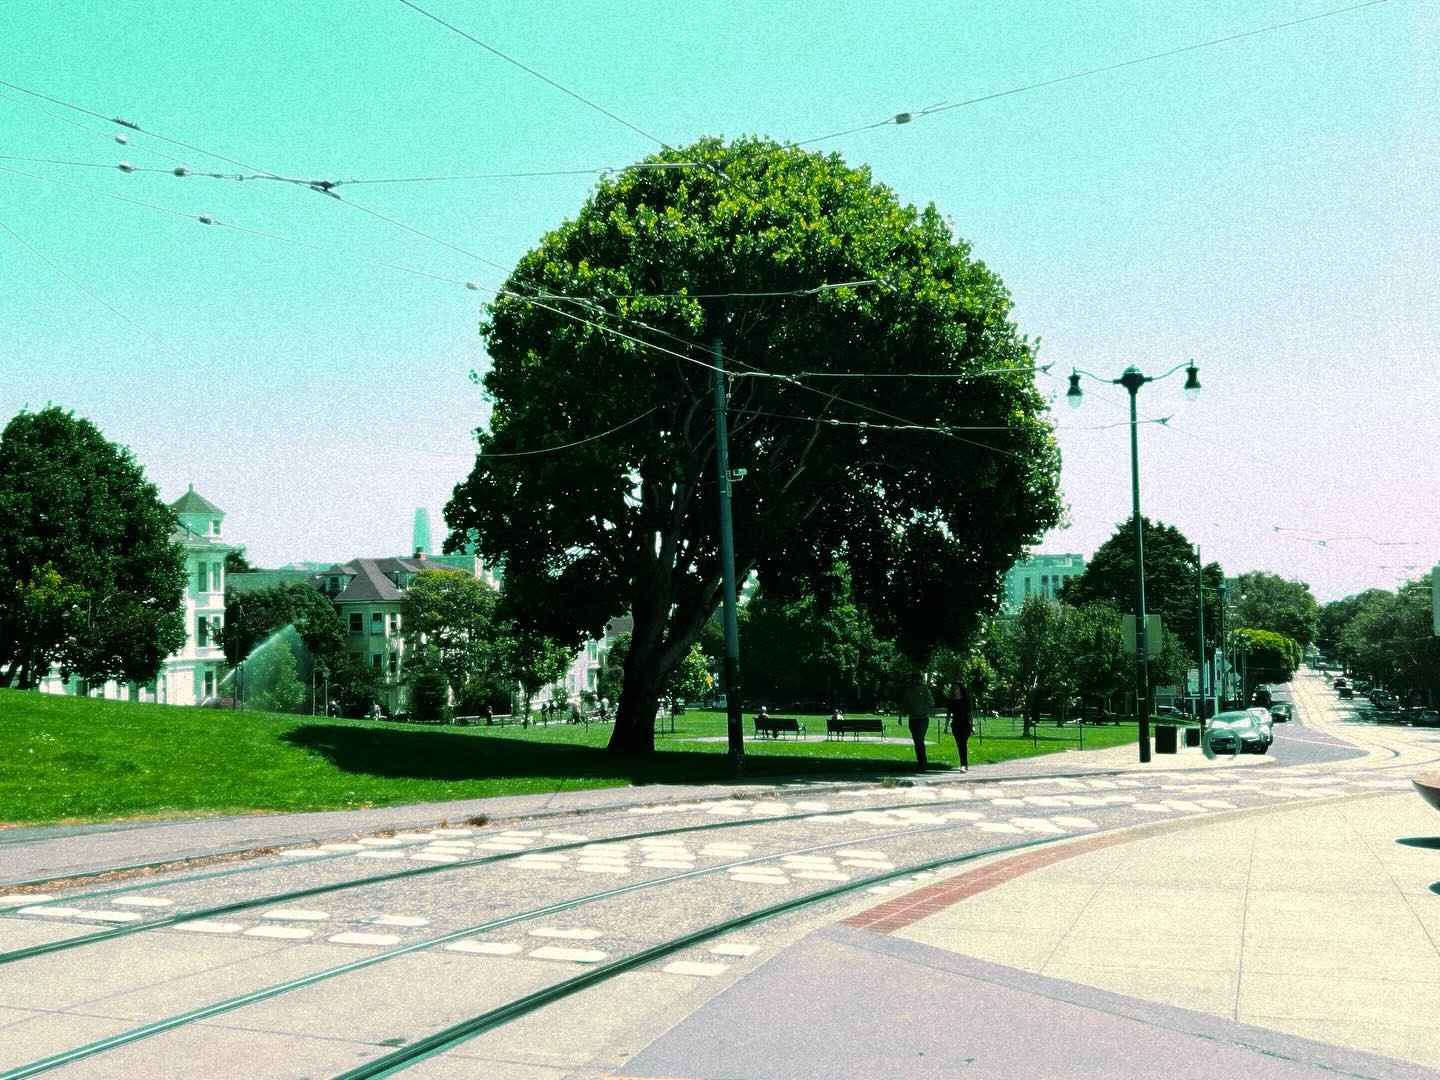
(1152, 636)
(1192, 681)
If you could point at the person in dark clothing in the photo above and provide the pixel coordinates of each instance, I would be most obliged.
(962, 723)
(915, 701)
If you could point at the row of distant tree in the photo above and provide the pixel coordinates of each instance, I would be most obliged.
(1386, 637)
(822, 648)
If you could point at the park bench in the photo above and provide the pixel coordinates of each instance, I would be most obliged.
(841, 728)
(772, 726)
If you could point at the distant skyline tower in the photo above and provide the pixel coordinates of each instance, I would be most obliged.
(420, 535)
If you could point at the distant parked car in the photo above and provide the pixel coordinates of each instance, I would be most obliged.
(1282, 711)
(1425, 718)
(1169, 712)
(1265, 724)
(1236, 731)
(1346, 691)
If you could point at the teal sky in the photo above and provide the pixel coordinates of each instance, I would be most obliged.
(1268, 206)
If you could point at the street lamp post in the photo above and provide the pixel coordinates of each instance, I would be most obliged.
(1132, 379)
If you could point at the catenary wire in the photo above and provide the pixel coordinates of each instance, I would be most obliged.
(577, 442)
(931, 110)
(91, 293)
(537, 74)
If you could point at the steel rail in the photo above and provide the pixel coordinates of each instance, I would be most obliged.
(44, 948)
(441, 1041)
(145, 1031)
(969, 780)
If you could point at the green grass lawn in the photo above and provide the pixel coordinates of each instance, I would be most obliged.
(77, 759)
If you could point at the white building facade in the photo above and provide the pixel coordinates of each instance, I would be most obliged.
(191, 676)
(1039, 575)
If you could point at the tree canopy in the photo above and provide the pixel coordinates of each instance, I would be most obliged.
(1170, 587)
(1269, 657)
(1270, 602)
(819, 647)
(91, 579)
(450, 618)
(834, 308)
(1389, 638)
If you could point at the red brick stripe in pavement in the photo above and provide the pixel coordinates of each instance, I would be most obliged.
(902, 911)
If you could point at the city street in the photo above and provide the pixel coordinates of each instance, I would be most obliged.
(678, 908)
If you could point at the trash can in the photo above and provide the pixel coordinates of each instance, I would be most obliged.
(1165, 739)
(1192, 736)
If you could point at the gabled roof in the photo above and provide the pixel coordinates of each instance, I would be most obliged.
(369, 583)
(371, 580)
(194, 503)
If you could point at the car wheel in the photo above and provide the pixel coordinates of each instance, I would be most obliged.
(1263, 748)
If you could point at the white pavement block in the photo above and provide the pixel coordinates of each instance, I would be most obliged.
(573, 956)
(144, 901)
(694, 967)
(761, 879)
(17, 900)
(206, 926)
(289, 933)
(484, 948)
(364, 939)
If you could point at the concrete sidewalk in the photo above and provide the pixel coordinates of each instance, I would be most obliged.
(1294, 940)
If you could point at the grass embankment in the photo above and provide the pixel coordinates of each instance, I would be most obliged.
(78, 759)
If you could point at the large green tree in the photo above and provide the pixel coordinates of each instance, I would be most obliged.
(1268, 657)
(819, 647)
(595, 481)
(1094, 646)
(1391, 640)
(1334, 620)
(1028, 652)
(450, 617)
(1270, 602)
(1170, 586)
(90, 577)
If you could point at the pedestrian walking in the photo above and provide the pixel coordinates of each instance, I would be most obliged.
(962, 722)
(916, 702)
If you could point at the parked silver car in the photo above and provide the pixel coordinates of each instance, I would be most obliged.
(1237, 731)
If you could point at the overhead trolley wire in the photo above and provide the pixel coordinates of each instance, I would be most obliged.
(947, 106)
(537, 74)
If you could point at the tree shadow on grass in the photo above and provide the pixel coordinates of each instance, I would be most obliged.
(447, 756)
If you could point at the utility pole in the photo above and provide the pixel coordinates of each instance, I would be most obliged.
(1132, 380)
(734, 728)
(1200, 626)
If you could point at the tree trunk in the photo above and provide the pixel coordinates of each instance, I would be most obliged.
(635, 718)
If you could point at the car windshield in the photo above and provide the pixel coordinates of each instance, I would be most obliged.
(1232, 720)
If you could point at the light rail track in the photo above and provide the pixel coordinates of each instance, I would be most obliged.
(531, 1002)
